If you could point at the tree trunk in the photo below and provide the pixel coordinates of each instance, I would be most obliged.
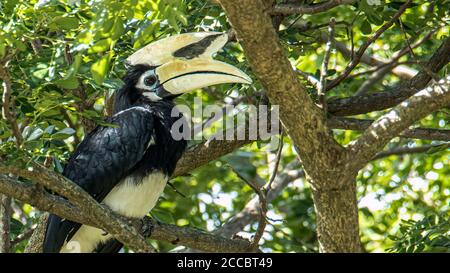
(337, 217)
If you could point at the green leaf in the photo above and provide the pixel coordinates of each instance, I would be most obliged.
(2, 49)
(182, 18)
(40, 73)
(366, 28)
(64, 23)
(16, 226)
(37, 133)
(100, 46)
(118, 29)
(64, 133)
(100, 68)
(70, 83)
(75, 66)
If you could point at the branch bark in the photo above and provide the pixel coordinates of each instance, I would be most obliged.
(362, 124)
(8, 113)
(190, 237)
(398, 119)
(287, 9)
(410, 150)
(391, 97)
(100, 214)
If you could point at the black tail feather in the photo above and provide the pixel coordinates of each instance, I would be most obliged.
(110, 246)
(58, 230)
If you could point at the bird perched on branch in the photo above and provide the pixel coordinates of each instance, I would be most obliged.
(127, 165)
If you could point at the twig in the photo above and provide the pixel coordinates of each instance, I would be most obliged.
(324, 71)
(175, 189)
(250, 212)
(385, 68)
(308, 77)
(410, 150)
(366, 44)
(408, 44)
(22, 237)
(8, 109)
(268, 187)
(262, 209)
(403, 72)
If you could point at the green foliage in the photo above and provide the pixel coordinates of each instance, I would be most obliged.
(68, 60)
(431, 234)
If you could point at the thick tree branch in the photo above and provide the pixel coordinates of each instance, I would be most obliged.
(287, 9)
(190, 237)
(205, 152)
(362, 124)
(397, 120)
(100, 214)
(5, 216)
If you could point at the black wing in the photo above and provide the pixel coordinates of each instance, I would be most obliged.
(101, 160)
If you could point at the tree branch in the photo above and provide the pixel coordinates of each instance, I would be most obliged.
(409, 150)
(392, 63)
(397, 120)
(8, 108)
(8, 113)
(287, 9)
(250, 212)
(324, 70)
(190, 237)
(100, 214)
(363, 124)
(403, 72)
(391, 97)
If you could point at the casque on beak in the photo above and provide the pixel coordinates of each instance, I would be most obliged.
(184, 62)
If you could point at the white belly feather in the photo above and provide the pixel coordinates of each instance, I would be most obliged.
(127, 199)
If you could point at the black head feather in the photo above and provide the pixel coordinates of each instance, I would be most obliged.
(128, 95)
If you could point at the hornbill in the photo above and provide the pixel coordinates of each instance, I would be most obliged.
(126, 165)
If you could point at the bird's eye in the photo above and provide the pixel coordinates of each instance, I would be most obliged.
(150, 80)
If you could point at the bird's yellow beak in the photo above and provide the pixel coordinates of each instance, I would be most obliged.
(184, 62)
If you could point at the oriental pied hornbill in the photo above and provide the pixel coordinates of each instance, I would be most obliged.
(128, 165)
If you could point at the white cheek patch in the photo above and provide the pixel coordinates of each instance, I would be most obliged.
(152, 96)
